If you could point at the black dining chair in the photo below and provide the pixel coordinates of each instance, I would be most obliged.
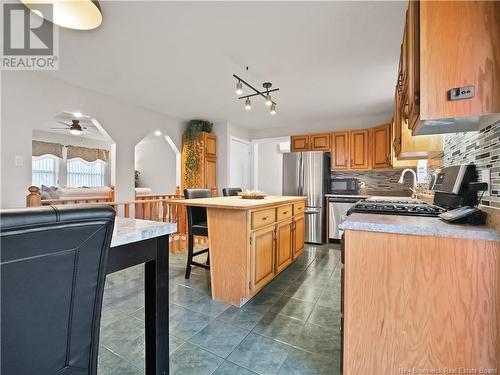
(53, 269)
(231, 192)
(197, 226)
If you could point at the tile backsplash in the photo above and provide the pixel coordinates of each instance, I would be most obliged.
(380, 181)
(481, 148)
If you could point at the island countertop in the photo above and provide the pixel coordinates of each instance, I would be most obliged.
(132, 230)
(237, 203)
(415, 225)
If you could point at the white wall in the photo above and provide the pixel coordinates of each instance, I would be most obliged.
(156, 161)
(334, 125)
(29, 98)
(268, 165)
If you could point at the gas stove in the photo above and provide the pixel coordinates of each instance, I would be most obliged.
(408, 207)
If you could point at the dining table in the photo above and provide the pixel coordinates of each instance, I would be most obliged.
(135, 242)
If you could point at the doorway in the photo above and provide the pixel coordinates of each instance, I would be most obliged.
(239, 163)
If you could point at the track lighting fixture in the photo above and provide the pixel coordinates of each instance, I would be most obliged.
(264, 93)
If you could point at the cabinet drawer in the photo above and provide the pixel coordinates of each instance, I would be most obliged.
(298, 208)
(262, 218)
(284, 212)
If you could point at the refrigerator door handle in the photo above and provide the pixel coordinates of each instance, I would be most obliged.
(301, 175)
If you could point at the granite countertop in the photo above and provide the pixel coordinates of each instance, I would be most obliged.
(415, 225)
(133, 230)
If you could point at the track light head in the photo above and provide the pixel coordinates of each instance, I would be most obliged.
(269, 101)
(239, 88)
(273, 109)
(248, 104)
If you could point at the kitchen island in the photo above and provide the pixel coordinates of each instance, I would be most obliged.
(420, 294)
(251, 241)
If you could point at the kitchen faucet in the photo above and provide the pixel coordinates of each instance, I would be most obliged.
(414, 189)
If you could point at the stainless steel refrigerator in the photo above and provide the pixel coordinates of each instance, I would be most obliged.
(307, 174)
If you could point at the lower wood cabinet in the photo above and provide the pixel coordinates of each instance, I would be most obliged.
(298, 235)
(284, 244)
(262, 257)
(274, 243)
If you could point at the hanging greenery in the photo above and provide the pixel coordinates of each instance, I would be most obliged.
(193, 149)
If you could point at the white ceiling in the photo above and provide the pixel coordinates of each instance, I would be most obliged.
(331, 60)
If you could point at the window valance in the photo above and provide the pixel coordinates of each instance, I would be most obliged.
(40, 148)
(88, 154)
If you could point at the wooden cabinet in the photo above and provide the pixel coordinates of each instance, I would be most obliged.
(340, 150)
(381, 146)
(284, 244)
(210, 172)
(262, 257)
(359, 157)
(319, 142)
(310, 142)
(298, 235)
(299, 143)
(451, 57)
(199, 162)
(276, 240)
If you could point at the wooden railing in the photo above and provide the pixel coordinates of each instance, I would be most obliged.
(155, 207)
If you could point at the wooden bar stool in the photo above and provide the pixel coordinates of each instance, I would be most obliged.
(231, 192)
(197, 226)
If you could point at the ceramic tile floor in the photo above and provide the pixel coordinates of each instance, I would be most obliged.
(291, 327)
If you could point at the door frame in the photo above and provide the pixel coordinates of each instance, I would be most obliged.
(254, 156)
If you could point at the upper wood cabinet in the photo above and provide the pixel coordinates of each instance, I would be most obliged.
(199, 162)
(358, 147)
(319, 142)
(299, 143)
(381, 146)
(210, 144)
(312, 142)
(339, 157)
(450, 44)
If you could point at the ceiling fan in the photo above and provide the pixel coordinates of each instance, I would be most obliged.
(74, 128)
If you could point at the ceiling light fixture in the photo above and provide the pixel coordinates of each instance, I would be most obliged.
(265, 94)
(239, 88)
(248, 105)
(77, 114)
(157, 133)
(76, 14)
(75, 131)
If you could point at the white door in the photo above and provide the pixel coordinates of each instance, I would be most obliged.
(239, 165)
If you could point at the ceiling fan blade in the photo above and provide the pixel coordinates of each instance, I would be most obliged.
(60, 128)
(63, 123)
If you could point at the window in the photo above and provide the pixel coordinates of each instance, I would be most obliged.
(44, 170)
(84, 173)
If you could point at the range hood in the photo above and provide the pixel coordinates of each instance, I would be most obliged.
(456, 125)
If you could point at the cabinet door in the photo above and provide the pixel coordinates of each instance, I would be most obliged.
(381, 146)
(299, 143)
(210, 145)
(413, 62)
(359, 149)
(298, 235)
(262, 257)
(210, 173)
(340, 150)
(320, 142)
(284, 245)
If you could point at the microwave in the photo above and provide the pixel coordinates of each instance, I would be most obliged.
(347, 186)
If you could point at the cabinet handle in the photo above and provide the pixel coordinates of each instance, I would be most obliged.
(285, 212)
(265, 217)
